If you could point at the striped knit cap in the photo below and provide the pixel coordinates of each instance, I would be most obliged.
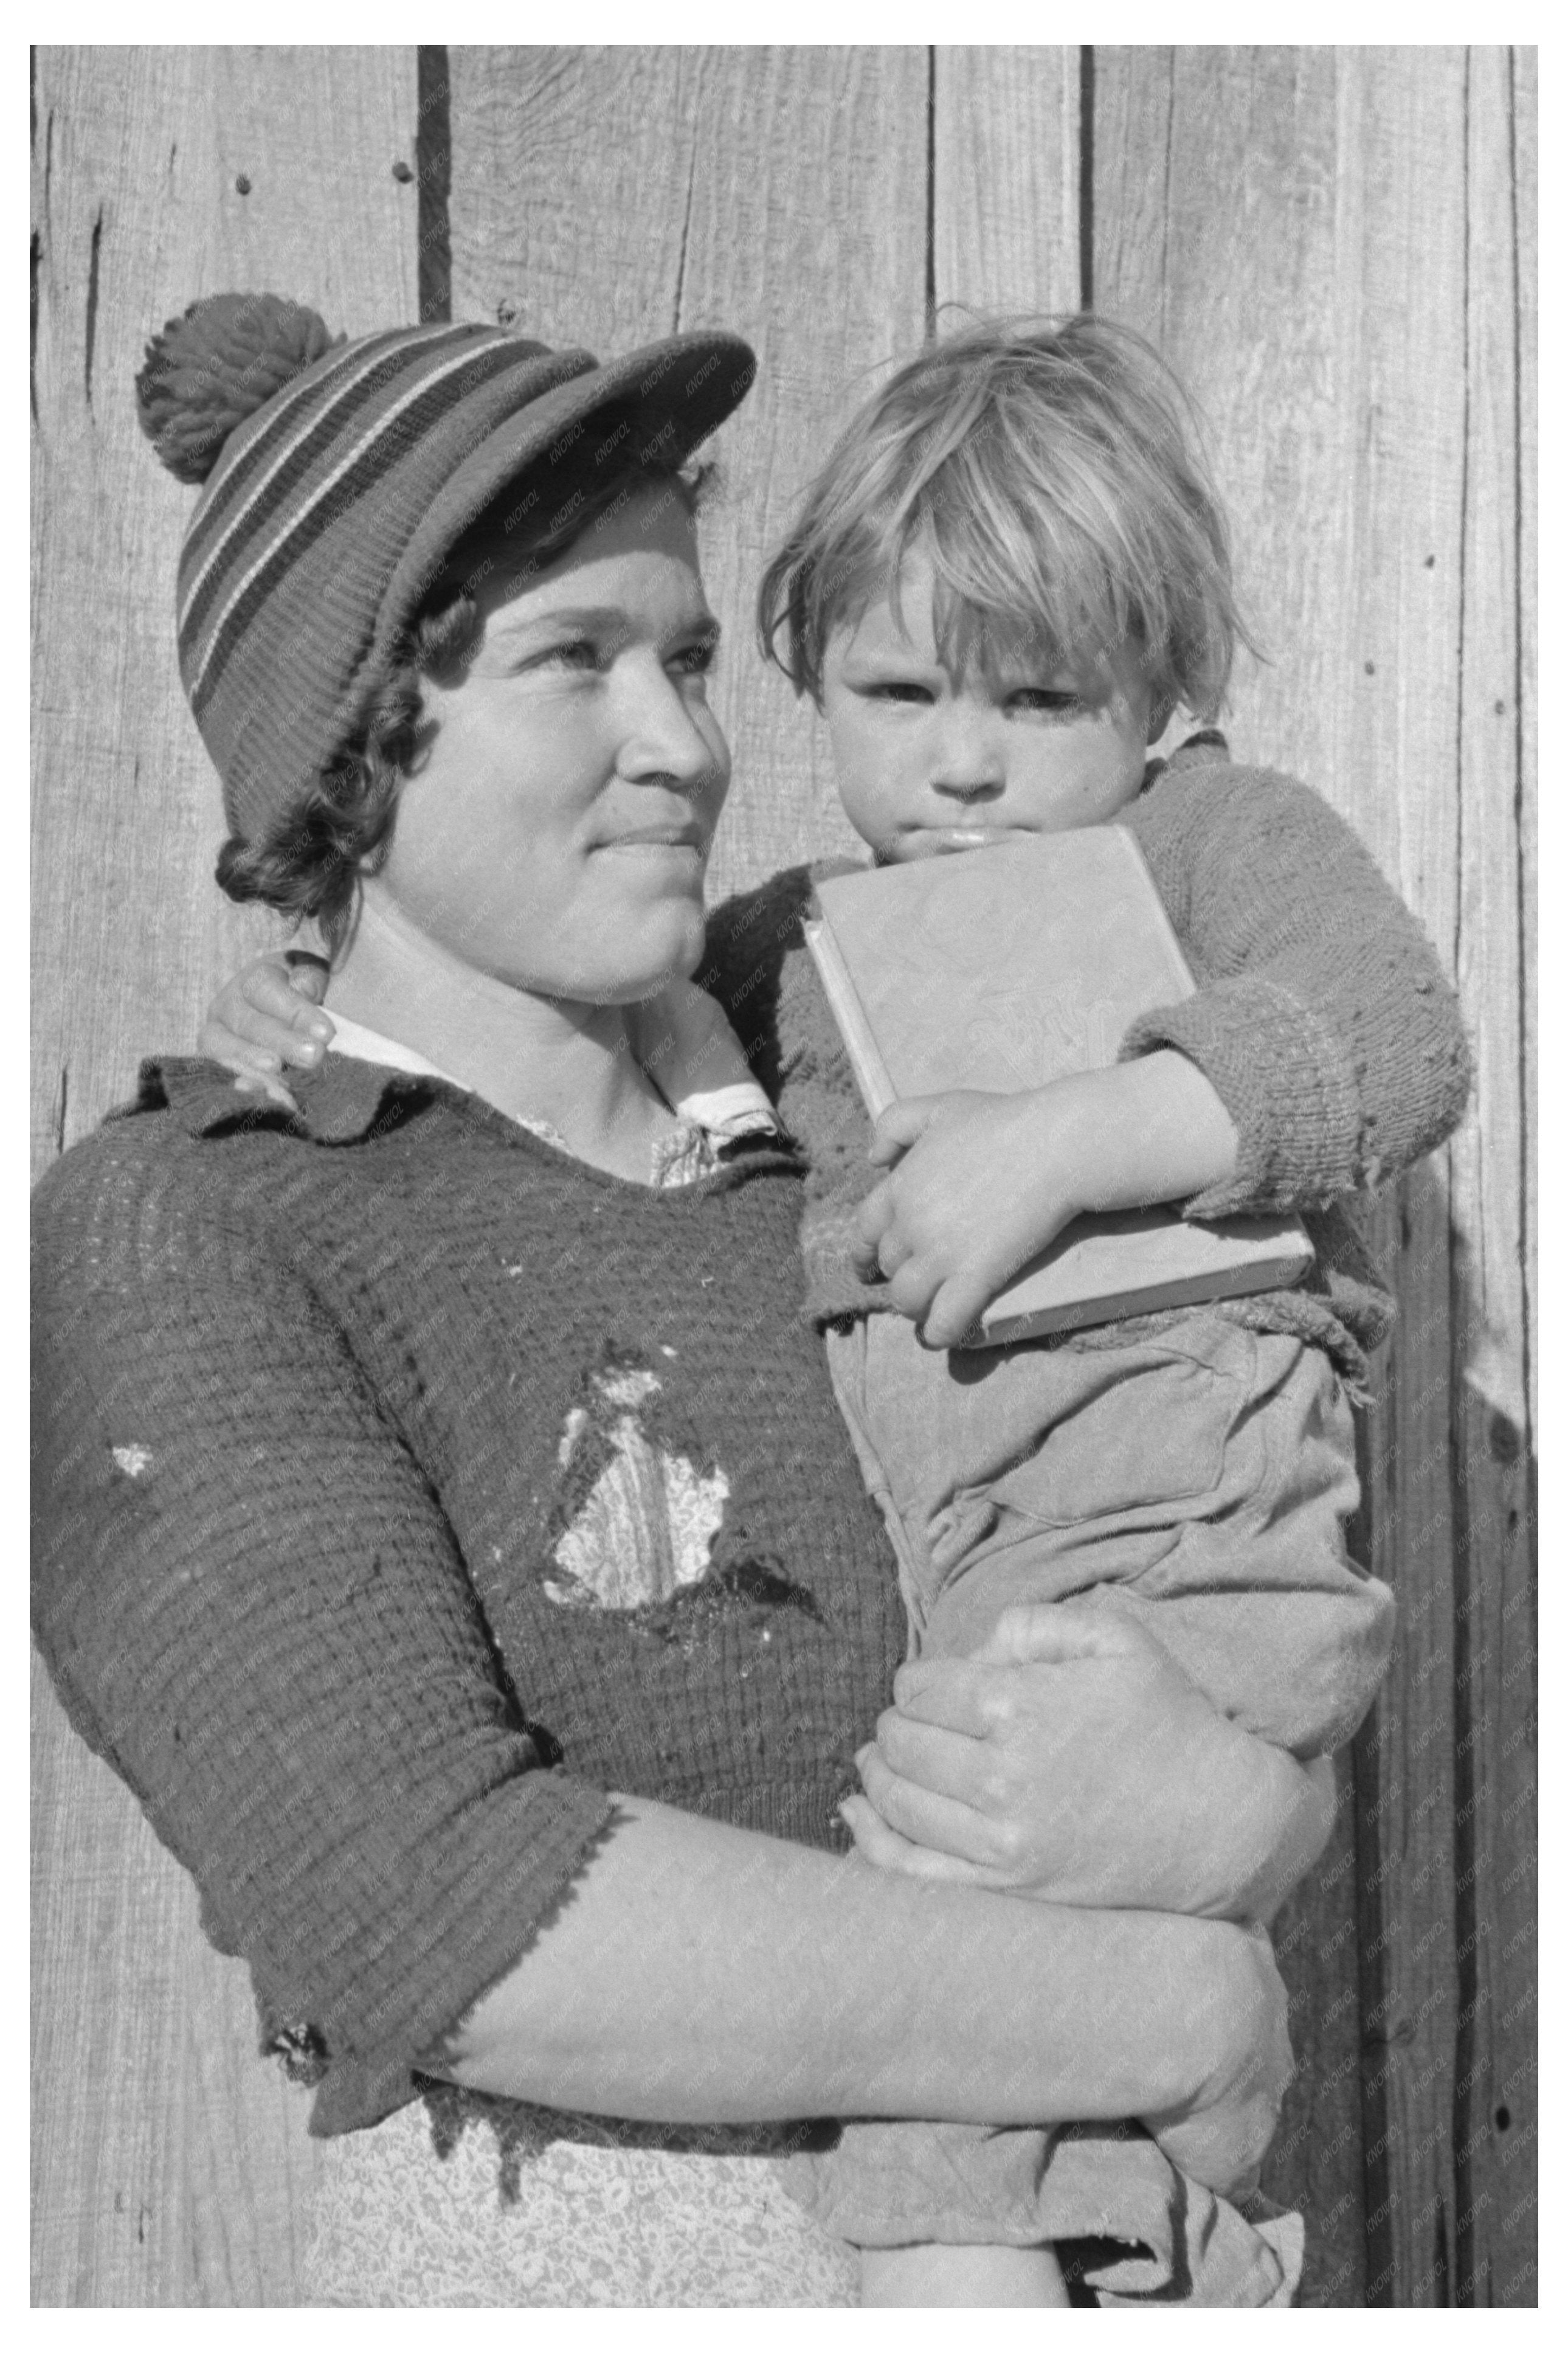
(340, 475)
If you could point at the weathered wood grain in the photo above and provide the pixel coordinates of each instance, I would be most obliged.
(147, 2190)
(807, 230)
(1402, 242)
(570, 174)
(1495, 2113)
(608, 197)
(1004, 188)
(1289, 225)
(1526, 202)
(1327, 245)
(1518, 2167)
(1220, 247)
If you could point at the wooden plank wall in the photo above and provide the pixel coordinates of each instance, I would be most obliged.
(1329, 246)
(167, 2162)
(1337, 250)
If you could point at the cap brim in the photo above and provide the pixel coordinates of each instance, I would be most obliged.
(661, 403)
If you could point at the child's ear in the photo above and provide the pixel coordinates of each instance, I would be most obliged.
(1161, 716)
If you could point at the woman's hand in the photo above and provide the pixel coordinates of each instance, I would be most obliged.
(1071, 1760)
(1221, 2137)
(268, 1015)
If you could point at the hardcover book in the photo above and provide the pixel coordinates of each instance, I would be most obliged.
(1001, 969)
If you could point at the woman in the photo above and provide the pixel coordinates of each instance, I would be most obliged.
(447, 1529)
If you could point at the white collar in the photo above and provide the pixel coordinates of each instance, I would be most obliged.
(695, 1060)
(369, 1046)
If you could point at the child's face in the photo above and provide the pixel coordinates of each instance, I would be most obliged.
(928, 762)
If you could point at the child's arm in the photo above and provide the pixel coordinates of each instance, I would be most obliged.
(266, 1017)
(981, 1183)
(1322, 1053)
(1322, 1016)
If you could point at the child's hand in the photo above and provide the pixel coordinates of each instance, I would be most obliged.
(267, 1015)
(979, 1185)
(982, 1183)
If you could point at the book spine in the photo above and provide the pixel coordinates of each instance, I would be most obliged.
(1000, 1331)
(1159, 916)
(871, 1077)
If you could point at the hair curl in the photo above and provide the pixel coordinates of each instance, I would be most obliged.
(337, 828)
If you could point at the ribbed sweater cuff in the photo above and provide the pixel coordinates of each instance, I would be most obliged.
(502, 1868)
(1281, 1075)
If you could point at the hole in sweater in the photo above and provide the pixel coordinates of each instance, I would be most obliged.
(635, 1513)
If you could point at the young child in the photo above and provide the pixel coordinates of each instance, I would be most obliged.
(1010, 573)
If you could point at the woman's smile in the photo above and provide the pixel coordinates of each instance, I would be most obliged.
(683, 836)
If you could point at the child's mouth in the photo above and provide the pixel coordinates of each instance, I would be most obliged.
(942, 840)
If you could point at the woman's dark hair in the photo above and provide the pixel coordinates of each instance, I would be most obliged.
(338, 826)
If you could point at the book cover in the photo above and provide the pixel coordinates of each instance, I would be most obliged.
(1000, 969)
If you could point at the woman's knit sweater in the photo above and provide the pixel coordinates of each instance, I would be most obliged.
(401, 1487)
(1321, 1017)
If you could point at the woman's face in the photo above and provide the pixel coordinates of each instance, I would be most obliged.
(556, 834)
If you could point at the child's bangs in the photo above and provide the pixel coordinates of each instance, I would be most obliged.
(1013, 597)
(1046, 477)
(1037, 538)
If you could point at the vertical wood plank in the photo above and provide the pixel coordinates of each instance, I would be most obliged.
(570, 174)
(1005, 163)
(108, 2138)
(1402, 116)
(1306, 273)
(145, 2191)
(1495, 2114)
(1519, 2195)
(807, 229)
(1222, 252)
(608, 197)
(1516, 2224)
(1526, 202)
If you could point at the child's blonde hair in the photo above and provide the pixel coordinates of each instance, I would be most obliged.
(1052, 475)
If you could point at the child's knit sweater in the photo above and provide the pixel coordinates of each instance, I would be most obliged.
(1321, 1018)
(387, 1458)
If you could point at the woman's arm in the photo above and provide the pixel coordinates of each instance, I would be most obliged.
(253, 1606)
(701, 1972)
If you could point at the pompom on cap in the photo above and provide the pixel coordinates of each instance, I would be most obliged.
(216, 365)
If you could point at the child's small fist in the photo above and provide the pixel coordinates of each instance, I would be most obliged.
(268, 1015)
(975, 1190)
